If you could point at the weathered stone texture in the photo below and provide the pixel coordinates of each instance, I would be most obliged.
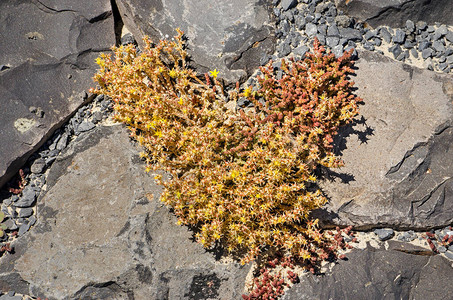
(398, 154)
(48, 48)
(380, 274)
(103, 233)
(230, 36)
(394, 13)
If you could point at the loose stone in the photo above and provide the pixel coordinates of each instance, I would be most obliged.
(399, 36)
(385, 34)
(384, 234)
(27, 199)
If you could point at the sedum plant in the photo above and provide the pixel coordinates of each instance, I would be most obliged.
(243, 180)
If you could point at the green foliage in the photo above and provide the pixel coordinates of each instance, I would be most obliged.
(243, 179)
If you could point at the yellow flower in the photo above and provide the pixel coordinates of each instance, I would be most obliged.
(214, 73)
(173, 73)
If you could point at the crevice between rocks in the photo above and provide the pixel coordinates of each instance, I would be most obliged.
(117, 21)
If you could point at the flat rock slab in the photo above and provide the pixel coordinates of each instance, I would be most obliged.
(47, 50)
(230, 36)
(102, 233)
(398, 154)
(380, 274)
(394, 13)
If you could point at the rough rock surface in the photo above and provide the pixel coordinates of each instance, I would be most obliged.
(393, 273)
(47, 54)
(394, 13)
(238, 32)
(103, 234)
(398, 155)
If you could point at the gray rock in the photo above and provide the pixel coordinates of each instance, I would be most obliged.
(368, 46)
(25, 212)
(427, 53)
(421, 25)
(388, 177)
(27, 199)
(441, 249)
(62, 142)
(338, 50)
(301, 50)
(332, 41)
(321, 38)
(395, 50)
(438, 46)
(288, 4)
(409, 45)
(147, 253)
(38, 166)
(449, 254)
(322, 29)
(8, 297)
(442, 30)
(376, 41)
(65, 41)
(85, 126)
(399, 36)
(23, 229)
(127, 39)
(407, 236)
(450, 59)
(332, 30)
(10, 224)
(238, 31)
(350, 34)
(311, 29)
(410, 26)
(449, 36)
(370, 34)
(32, 220)
(379, 274)
(300, 22)
(384, 234)
(431, 29)
(344, 21)
(385, 34)
(424, 45)
(284, 49)
(396, 13)
(414, 53)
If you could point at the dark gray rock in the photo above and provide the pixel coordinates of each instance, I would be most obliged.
(395, 13)
(384, 234)
(284, 49)
(229, 36)
(127, 39)
(395, 172)
(23, 229)
(288, 4)
(399, 36)
(414, 53)
(43, 44)
(344, 21)
(385, 34)
(332, 30)
(421, 25)
(10, 224)
(27, 199)
(25, 212)
(350, 34)
(311, 29)
(424, 44)
(332, 41)
(38, 166)
(396, 50)
(368, 46)
(410, 26)
(428, 52)
(397, 273)
(369, 35)
(338, 50)
(87, 223)
(439, 46)
(449, 36)
(301, 50)
(85, 126)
